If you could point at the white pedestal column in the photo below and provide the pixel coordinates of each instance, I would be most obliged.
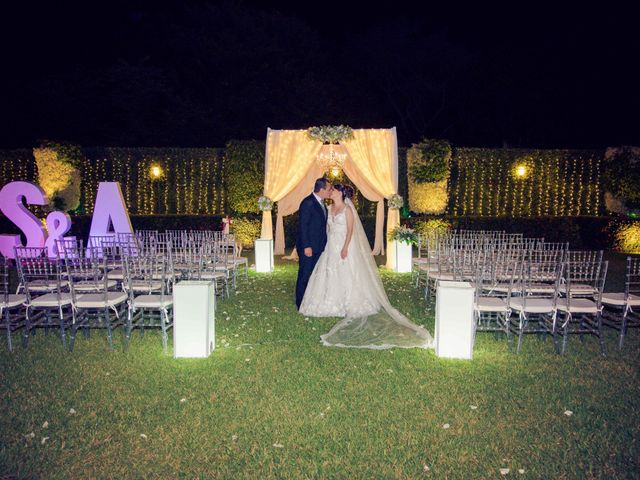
(455, 326)
(264, 255)
(194, 334)
(403, 253)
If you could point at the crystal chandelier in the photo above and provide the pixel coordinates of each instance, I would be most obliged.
(331, 157)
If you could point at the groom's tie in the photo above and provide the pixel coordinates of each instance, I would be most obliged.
(324, 208)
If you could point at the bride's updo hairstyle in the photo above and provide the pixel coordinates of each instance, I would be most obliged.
(346, 190)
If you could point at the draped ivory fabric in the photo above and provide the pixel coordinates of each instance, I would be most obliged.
(289, 156)
(374, 155)
(291, 169)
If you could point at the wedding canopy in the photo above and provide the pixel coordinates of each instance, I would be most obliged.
(291, 169)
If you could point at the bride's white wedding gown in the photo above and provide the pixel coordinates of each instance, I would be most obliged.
(351, 288)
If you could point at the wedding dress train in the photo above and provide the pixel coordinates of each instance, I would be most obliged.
(351, 288)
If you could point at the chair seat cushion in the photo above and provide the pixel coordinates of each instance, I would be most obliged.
(618, 299)
(89, 286)
(117, 274)
(51, 300)
(142, 286)
(577, 305)
(531, 305)
(97, 300)
(491, 304)
(212, 275)
(152, 301)
(540, 288)
(46, 285)
(578, 289)
(13, 301)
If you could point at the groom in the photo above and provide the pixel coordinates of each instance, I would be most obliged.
(312, 233)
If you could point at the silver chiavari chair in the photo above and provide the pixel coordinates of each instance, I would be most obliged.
(623, 308)
(12, 315)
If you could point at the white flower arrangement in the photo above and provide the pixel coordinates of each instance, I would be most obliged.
(396, 201)
(404, 234)
(330, 133)
(265, 204)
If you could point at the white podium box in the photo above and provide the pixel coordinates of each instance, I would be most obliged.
(194, 333)
(455, 325)
(404, 251)
(264, 255)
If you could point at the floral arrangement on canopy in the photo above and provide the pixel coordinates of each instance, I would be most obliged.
(330, 133)
(265, 204)
(396, 201)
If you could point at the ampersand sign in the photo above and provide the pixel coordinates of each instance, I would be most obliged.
(58, 223)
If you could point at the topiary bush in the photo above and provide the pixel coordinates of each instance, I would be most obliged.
(428, 170)
(627, 237)
(432, 226)
(244, 163)
(621, 178)
(246, 230)
(59, 174)
(430, 161)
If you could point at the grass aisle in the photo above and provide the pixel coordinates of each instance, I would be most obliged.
(271, 402)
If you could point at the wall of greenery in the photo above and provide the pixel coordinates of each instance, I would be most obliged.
(553, 183)
(210, 181)
(244, 162)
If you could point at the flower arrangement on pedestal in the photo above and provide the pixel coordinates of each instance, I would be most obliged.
(404, 234)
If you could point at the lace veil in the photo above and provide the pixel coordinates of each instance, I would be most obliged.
(386, 329)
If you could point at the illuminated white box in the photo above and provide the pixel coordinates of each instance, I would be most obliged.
(194, 332)
(264, 255)
(403, 257)
(455, 325)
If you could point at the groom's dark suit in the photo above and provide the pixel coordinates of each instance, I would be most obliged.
(312, 232)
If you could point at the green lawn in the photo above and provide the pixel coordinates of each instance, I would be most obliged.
(271, 402)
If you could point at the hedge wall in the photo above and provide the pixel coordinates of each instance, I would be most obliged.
(210, 181)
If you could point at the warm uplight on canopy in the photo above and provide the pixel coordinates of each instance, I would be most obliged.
(291, 167)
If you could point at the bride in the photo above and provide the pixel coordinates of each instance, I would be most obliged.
(345, 283)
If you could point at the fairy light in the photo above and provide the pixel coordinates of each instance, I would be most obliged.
(481, 185)
(596, 210)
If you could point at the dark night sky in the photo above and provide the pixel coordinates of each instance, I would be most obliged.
(196, 73)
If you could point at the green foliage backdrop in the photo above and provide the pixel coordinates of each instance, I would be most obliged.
(244, 162)
(209, 181)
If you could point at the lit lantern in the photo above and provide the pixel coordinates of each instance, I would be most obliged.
(156, 172)
(521, 171)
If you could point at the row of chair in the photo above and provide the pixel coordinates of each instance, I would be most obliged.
(549, 288)
(124, 280)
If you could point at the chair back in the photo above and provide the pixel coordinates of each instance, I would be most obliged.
(632, 278)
